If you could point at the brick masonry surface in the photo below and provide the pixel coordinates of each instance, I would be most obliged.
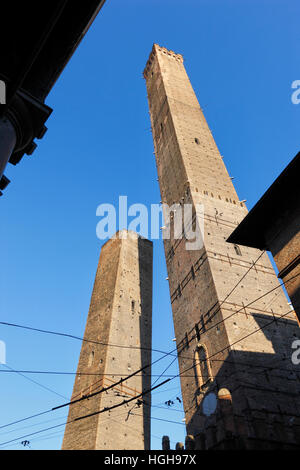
(239, 386)
(120, 314)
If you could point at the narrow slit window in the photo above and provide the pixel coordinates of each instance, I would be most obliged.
(202, 367)
(197, 332)
(237, 250)
(203, 327)
(193, 272)
(91, 358)
(179, 290)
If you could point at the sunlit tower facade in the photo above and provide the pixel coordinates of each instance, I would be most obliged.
(117, 343)
(234, 328)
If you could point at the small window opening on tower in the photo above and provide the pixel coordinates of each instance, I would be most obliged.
(197, 141)
(202, 366)
(197, 331)
(132, 305)
(194, 220)
(203, 327)
(193, 272)
(91, 358)
(237, 250)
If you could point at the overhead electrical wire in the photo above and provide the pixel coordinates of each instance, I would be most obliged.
(140, 395)
(178, 375)
(87, 416)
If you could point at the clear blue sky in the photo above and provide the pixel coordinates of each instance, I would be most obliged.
(242, 57)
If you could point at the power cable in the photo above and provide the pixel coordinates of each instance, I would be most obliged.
(39, 414)
(143, 393)
(86, 416)
(21, 373)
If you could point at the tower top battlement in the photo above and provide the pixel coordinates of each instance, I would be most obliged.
(124, 234)
(163, 50)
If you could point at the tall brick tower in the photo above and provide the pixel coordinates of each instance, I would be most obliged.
(120, 314)
(239, 386)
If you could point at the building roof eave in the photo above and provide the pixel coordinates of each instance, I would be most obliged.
(285, 191)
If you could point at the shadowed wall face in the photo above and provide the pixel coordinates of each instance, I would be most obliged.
(226, 327)
(120, 314)
(283, 240)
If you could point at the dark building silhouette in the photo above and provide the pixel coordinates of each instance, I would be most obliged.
(36, 42)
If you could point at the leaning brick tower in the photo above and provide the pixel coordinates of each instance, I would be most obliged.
(117, 342)
(240, 388)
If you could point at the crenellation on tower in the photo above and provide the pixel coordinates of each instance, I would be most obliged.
(232, 320)
(155, 49)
